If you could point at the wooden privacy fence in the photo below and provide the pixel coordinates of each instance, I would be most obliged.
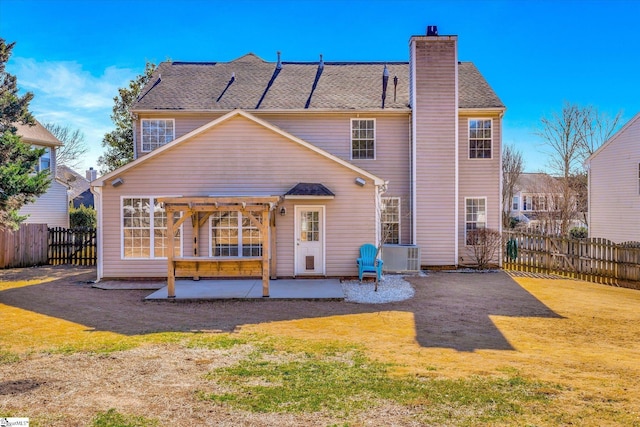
(24, 247)
(594, 259)
(76, 246)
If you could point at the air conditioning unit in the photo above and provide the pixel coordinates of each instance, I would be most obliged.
(400, 258)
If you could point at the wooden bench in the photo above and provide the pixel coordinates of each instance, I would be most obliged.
(196, 267)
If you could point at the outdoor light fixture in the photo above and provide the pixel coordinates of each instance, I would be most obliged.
(283, 211)
(117, 182)
(360, 182)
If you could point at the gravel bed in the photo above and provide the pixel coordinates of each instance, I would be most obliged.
(392, 287)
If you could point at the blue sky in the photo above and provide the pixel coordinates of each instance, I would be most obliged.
(74, 54)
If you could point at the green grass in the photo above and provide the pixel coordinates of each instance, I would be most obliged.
(347, 383)
(113, 418)
(214, 342)
(8, 357)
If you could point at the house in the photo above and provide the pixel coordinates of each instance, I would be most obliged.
(289, 167)
(51, 208)
(536, 204)
(79, 187)
(614, 186)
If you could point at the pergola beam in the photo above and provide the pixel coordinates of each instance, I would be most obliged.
(192, 208)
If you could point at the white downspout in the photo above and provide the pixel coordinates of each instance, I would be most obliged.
(97, 201)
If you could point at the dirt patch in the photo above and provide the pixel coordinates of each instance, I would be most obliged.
(575, 334)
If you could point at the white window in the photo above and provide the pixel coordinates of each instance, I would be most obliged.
(44, 163)
(390, 220)
(535, 202)
(516, 203)
(144, 229)
(363, 139)
(475, 217)
(233, 234)
(480, 138)
(156, 133)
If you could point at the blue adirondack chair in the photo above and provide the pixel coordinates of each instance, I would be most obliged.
(367, 263)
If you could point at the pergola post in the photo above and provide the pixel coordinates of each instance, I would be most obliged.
(171, 271)
(199, 209)
(266, 250)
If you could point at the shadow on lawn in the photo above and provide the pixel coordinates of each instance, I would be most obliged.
(450, 310)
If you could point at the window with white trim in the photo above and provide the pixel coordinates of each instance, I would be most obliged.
(363, 139)
(516, 203)
(156, 133)
(44, 163)
(475, 217)
(144, 229)
(480, 138)
(390, 220)
(233, 234)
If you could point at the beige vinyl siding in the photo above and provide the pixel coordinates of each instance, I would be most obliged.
(435, 120)
(478, 178)
(614, 193)
(332, 133)
(184, 123)
(52, 208)
(240, 157)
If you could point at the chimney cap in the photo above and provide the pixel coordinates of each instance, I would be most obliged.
(432, 30)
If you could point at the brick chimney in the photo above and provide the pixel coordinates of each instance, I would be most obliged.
(434, 103)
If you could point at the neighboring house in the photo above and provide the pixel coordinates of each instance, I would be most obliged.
(535, 204)
(301, 163)
(614, 186)
(52, 208)
(79, 186)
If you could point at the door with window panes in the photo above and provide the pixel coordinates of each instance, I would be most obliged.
(309, 240)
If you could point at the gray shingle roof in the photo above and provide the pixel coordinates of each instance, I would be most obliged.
(309, 189)
(250, 82)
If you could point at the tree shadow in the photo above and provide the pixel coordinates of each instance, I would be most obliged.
(451, 310)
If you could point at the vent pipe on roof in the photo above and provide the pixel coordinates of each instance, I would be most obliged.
(385, 81)
(395, 87)
(156, 83)
(273, 79)
(315, 81)
(432, 30)
(229, 83)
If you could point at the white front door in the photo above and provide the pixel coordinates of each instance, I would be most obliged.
(309, 240)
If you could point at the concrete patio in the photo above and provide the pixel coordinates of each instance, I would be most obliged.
(310, 289)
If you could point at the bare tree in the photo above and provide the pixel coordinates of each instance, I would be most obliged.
(572, 135)
(599, 127)
(564, 134)
(486, 246)
(74, 148)
(512, 166)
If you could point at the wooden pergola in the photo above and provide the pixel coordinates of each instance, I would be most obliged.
(257, 209)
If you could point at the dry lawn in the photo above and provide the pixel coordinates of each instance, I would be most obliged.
(69, 351)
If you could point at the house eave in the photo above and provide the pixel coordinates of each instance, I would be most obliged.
(299, 197)
(483, 110)
(389, 111)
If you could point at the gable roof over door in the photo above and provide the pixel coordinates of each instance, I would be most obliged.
(235, 113)
(251, 83)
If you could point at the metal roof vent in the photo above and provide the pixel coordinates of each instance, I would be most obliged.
(385, 81)
(279, 64)
(432, 30)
